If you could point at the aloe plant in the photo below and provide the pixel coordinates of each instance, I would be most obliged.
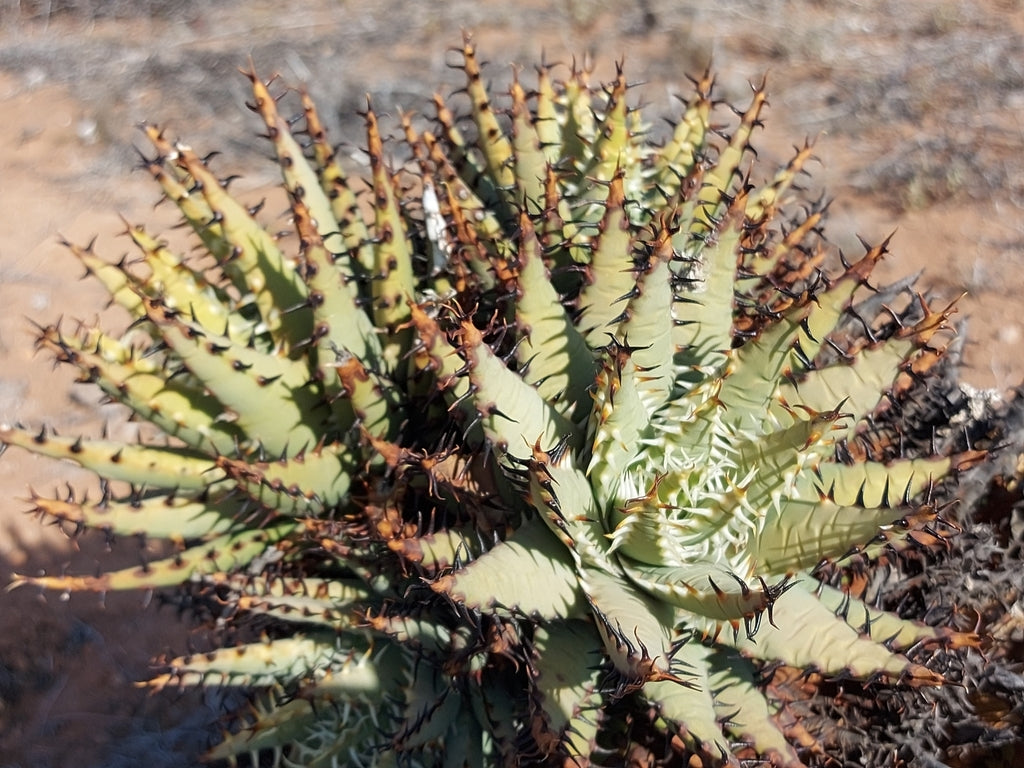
(555, 420)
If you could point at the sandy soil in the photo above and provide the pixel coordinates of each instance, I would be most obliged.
(917, 106)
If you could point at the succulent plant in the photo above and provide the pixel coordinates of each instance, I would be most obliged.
(519, 454)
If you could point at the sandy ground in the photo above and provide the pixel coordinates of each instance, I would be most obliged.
(918, 110)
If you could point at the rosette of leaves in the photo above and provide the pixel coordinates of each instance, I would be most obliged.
(554, 419)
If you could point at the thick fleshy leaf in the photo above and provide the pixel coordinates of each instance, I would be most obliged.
(177, 405)
(449, 548)
(529, 151)
(328, 603)
(612, 149)
(706, 589)
(267, 663)
(306, 484)
(805, 634)
(492, 142)
(610, 274)
(392, 284)
(273, 726)
(691, 708)
(679, 155)
(183, 289)
(271, 277)
(801, 533)
(871, 484)
(561, 493)
(553, 355)
(178, 518)
(742, 708)
(884, 626)
(567, 660)
(550, 591)
(299, 177)
(647, 324)
(355, 256)
(718, 181)
(420, 634)
(617, 422)
(430, 707)
(181, 189)
(142, 465)
(340, 326)
(514, 416)
(703, 314)
(228, 552)
(636, 628)
(244, 380)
